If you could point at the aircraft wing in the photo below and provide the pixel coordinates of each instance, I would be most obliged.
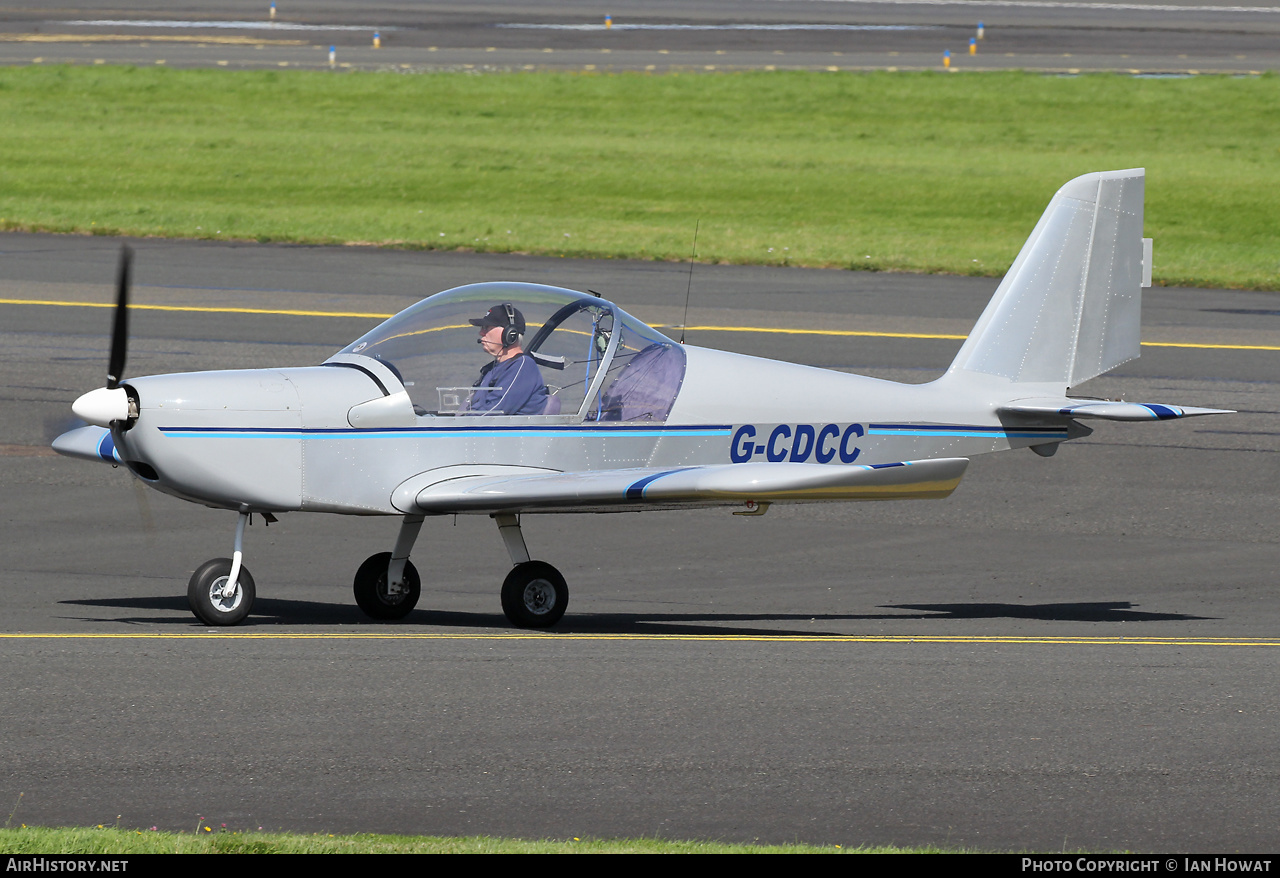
(1107, 410)
(88, 443)
(657, 487)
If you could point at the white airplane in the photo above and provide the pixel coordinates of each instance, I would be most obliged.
(584, 408)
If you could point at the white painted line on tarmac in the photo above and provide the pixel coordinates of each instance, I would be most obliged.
(227, 25)
(721, 27)
(1055, 4)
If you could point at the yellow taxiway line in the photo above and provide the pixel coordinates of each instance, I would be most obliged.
(693, 638)
(145, 38)
(774, 330)
(833, 332)
(928, 335)
(205, 309)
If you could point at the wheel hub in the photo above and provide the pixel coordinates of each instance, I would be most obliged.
(221, 601)
(389, 595)
(539, 597)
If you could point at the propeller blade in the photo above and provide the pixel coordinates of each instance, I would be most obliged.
(120, 327)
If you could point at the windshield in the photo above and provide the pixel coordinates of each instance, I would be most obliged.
(579, 356)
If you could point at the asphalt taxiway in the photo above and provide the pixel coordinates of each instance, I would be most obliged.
(1061, 36)
(1077, 651)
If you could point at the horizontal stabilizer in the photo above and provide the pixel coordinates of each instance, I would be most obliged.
(651, 487)
(88, 443)
(1107, 410)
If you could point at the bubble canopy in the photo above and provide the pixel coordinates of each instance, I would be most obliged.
(597, 361)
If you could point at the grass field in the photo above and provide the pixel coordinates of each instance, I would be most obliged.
(111, 840)
(890, 171)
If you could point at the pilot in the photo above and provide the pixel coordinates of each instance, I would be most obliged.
(512, 384)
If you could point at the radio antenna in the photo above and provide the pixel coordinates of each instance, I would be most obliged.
(689, 290)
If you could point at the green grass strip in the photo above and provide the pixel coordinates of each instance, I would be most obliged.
(206, 840)
(891, 171)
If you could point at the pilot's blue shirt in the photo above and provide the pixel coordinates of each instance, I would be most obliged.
(517, 388)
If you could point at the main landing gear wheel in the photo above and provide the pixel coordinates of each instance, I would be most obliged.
(534, 595)
(372, 594)
(207, 593)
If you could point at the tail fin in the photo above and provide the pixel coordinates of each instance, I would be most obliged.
(1070, 306)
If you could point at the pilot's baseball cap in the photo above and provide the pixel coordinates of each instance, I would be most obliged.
(497, 316)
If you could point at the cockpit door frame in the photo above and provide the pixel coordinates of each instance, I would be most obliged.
(603, 370)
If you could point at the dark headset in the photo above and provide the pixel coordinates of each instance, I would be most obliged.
(510, 335)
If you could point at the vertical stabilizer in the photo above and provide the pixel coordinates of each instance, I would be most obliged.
(1070, 306)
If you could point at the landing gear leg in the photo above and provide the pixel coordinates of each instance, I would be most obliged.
(221, 591)
(534, 594)
(387, 584)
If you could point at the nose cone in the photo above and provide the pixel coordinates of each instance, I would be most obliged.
(102, 406)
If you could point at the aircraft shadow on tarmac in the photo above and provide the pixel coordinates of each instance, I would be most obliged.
(311, 613)
(1095, 611)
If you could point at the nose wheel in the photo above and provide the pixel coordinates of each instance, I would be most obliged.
(221, 591)
(215, 598)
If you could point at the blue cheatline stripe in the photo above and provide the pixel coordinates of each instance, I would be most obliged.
(107, 448)
(964, 432)
(439, 432)
(942, 428)
(1162, 412)
(887, 465)
(648, 432)
(635, 491)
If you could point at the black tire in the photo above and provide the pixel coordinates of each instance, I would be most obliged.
(370, 589)
(534, 595)
(209, 606)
